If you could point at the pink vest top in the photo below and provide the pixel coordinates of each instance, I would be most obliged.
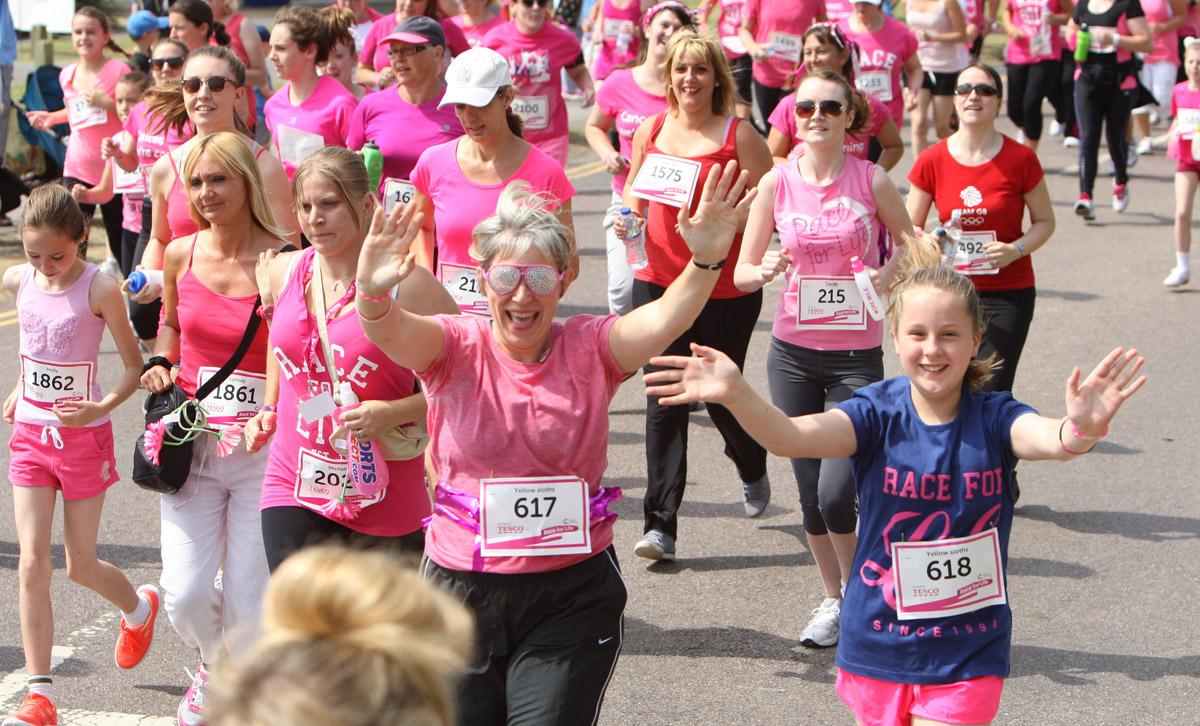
(822, 227)
(210, 327)
(373, 375)
(60, 339)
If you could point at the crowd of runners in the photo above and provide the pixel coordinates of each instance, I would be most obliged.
(357, 274)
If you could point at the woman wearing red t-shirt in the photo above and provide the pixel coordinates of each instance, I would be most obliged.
(697, 132)
(987, 181)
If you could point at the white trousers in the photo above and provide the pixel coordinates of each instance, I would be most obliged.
(213, 524)
(620, 274)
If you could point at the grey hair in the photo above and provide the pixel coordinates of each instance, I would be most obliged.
(523, 221)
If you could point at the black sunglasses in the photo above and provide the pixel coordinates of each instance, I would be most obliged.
(161, 63)
(983, 89)
(531, 3)
(216, 84)
(805, 109)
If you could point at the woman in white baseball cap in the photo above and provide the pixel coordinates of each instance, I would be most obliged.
(459, 182)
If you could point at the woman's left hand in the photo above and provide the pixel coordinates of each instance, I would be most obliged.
(1002, 254)
(369, 420)
(1094, 402)
(76, 414)
(709, 232)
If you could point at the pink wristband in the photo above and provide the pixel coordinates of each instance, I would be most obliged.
(1079, 435)
(374, 298)
(383, 315)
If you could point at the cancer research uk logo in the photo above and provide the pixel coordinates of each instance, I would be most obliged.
(971, 196)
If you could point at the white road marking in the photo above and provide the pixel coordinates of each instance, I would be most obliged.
(102, 718)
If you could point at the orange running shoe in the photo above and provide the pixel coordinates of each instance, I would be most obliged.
(134, 641)
(35, 710)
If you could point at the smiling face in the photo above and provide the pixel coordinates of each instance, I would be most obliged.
(50, 252)
(128, 95)
(821, 128)
(818, 54)
(693, 81)
(328, 220)
(217, 194)
(935, 340)
(165, 73)
(975, 109)
(88, 37)
(187, 32)
(289, 59)
(662, 27)
(522, 320)
(1191, 64)
(341, 62)
(206, 109)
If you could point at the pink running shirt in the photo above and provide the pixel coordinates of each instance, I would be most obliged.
(1185, 107)
(878, 62)
(151, 139)
(322, 119)
(475, 33)
(380, 115)
(822, 227)
(728, 26)
(89, 124)
(784, 119)
(612, 20)
(628, 105)
(1033, 18)
(373, 52)
(536, 62)
(781, 25)
(492, 416)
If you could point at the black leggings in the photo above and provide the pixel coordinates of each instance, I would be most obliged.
(1008, 314)
(766, 99)
(1099, 101)
(1063, 96)
(1028, 84)
(143, 317)
(289, 529)
(805, 381)
(726, 325)
(112, 211)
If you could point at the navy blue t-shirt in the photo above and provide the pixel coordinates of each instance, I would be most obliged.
(919, 482)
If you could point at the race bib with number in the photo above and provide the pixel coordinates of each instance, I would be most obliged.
(463, 285)
(667, 179)
(45, 384)
(875, 83)
(128, 182)
(237, 399)
(319, 479)
(948, 576)
(534, 516)
(970, 254)
(829, 303)
(83, 114)
(533, 110)
(295, 145)
(1188, 122)
(396, 191)
(1039, 41)
(786, 46)
(612, 27)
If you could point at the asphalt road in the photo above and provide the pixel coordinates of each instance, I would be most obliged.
(1103, 574)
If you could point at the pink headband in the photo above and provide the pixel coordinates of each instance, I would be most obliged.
(658, 8)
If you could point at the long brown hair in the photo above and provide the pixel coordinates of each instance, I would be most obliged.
(856, 100)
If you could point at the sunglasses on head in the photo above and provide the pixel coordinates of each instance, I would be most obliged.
(805, 109)
(983, 89)
(531, 3)
(542, 280)
(161, 63)
(405, 51)
(216, 84)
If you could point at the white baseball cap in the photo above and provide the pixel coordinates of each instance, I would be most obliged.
(474, 77)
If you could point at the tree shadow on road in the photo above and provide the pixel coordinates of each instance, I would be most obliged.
(123, 556)
(1074, 667)
(1134, 525)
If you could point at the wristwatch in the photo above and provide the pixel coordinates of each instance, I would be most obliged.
(1021, 248)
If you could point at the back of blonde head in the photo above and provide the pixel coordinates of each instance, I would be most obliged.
(349, 638)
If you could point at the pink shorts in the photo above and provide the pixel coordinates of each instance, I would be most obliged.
(883, 703)
(82, 468)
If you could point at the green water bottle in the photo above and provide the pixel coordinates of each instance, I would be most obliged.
(1083, 42)
(373, 159)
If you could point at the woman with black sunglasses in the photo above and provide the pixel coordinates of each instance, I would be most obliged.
(982, 182)
(827, 207)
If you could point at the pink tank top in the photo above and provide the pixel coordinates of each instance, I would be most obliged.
(210, 327)
(822, 227)
(297, 444)
(60, 339)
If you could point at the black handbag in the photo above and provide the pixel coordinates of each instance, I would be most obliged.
(175, 455)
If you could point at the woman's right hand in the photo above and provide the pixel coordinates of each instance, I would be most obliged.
(259, 430)
(709, 232)
(157, 379)
(616, 164)
(774, 263)
(39, 120)
(706, 375)
(386, 257)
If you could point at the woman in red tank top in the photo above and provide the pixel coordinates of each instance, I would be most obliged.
(679, 147)
(210, 292)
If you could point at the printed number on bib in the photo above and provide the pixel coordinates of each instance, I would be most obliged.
(45, 384)
(295, 145)
(786, 46)
(1039, 42)
(876, 83)
(970, 255)
(237, 399)
(534, 111)
(667, 179)
(948, 576)
(319, 478)
(83, 114)
(1189, 121)
(396, 191)
(128, 182)
(534, 516)
(612, 27)
(829, 303)
(463, 285)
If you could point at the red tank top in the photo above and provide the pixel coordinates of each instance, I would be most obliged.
(666, 250)
(234, 28)
(210, 327)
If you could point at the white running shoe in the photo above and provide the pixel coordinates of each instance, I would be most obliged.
(1131, 156)
(1056, 128)
(1071, 142)
(822, 630)
(1120, 200)
(1145, 146)
(1178, 277)
(191, 708)
(656, 545)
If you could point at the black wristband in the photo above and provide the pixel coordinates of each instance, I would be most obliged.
(702, 266)
(155, 361)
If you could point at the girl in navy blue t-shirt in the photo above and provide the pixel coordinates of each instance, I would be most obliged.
(926, 624)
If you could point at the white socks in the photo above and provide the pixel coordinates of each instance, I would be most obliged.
(139, 615)
(41, 685)
(1182, 260)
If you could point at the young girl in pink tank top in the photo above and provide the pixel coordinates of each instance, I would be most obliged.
(62, 437)
(827, 207)
(307, 479)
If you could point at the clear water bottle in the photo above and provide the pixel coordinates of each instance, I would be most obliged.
(635, 244)
(624, 40)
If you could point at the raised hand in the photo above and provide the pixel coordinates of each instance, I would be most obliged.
(709, 232)
(386, 257)
(707, 375)
(1093, 403)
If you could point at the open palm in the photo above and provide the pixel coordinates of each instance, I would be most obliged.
(724, 202)
(1094, 402)
(709, 375)
(386, 257)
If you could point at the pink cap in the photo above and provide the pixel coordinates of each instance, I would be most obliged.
(856, 265)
